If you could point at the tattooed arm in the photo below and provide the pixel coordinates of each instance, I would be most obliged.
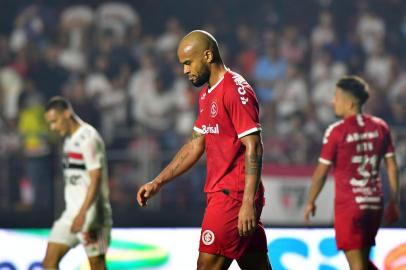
(247, 218)
(186, 157)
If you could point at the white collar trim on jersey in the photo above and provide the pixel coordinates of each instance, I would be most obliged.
(217, 83)
(214, 86)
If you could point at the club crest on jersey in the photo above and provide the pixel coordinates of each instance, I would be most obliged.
(213, 109)
(208, 237)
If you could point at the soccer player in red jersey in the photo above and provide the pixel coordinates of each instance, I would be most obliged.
(228, 129)
(355, 146)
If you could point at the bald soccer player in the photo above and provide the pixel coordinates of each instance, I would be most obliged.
(228, 129)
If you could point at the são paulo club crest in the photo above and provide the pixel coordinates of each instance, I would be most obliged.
(207, 237)
(213, 109)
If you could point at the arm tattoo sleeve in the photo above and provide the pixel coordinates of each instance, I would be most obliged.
(182, 156)
(196, 135)
(253, 164)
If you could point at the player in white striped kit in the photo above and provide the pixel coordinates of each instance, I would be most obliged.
(87, 216)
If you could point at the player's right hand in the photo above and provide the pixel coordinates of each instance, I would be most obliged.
(310, 209)
(391, 213)
(147, 191)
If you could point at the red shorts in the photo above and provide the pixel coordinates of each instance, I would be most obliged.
(219, 233)
(356, 229)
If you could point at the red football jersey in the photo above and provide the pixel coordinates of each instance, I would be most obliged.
(227, 112)
(356, 146)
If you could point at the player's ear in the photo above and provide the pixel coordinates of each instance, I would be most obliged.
(348, 102)
(353, 104)
(348, 105)
(208, 55)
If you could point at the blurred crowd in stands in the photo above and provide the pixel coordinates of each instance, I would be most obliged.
(117, 64)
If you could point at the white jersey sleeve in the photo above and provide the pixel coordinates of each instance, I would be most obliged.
(93, 152)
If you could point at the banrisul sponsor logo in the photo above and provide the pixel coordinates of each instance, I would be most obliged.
(211, 129)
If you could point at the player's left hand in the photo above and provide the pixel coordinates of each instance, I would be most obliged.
(77, 223)
(247, 219)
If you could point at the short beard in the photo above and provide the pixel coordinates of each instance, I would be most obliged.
(202, 79)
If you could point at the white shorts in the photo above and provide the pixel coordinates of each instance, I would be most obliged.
(95, 242)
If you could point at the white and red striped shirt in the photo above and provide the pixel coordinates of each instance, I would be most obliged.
(84, 151)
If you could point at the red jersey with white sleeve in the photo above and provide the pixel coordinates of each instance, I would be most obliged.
(228, 111)
(356, 146)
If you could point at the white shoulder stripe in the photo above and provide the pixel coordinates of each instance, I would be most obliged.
(333, 125)
(330, 129)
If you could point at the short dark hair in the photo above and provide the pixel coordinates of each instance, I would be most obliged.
(356, 87)
(58, 103)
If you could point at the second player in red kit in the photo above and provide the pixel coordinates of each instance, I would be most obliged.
(355, 146)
